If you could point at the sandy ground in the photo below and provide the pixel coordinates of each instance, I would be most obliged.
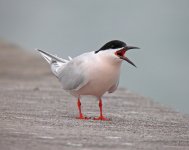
(35, 113)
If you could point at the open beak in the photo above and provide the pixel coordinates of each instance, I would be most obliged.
(121, 53)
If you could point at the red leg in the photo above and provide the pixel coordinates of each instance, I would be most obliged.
(101, 117)
(80, 113)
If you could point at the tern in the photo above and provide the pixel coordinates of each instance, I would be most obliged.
(93, 73)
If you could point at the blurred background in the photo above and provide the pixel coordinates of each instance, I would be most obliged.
(71, 27)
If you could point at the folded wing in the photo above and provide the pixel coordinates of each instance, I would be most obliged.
(69, 72)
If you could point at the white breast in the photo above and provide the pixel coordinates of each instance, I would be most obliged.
(102, 76)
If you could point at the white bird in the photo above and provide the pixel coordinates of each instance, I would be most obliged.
(92, 73)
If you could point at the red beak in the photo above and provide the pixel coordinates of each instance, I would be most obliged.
(121, 54)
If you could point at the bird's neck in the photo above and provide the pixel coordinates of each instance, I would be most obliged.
(110, 61)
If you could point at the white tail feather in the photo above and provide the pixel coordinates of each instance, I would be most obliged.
(55, 61)
(69, 58)
(49, 57)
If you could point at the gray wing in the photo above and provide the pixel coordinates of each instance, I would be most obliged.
(72, 76)
(114, 87)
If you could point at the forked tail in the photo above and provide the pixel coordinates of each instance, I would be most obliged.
(55, 62)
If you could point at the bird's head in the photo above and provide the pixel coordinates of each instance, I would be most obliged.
(116, 50)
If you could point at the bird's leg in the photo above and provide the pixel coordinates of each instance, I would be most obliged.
(101, 117)
(80, 113)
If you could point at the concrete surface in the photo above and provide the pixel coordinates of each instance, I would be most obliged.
(35, 113)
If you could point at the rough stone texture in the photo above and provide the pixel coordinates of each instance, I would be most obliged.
(35, 113)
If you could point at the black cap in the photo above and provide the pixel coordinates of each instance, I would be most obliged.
(114, 44)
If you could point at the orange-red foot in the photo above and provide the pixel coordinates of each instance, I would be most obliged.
(83, 117)
(102, 118)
